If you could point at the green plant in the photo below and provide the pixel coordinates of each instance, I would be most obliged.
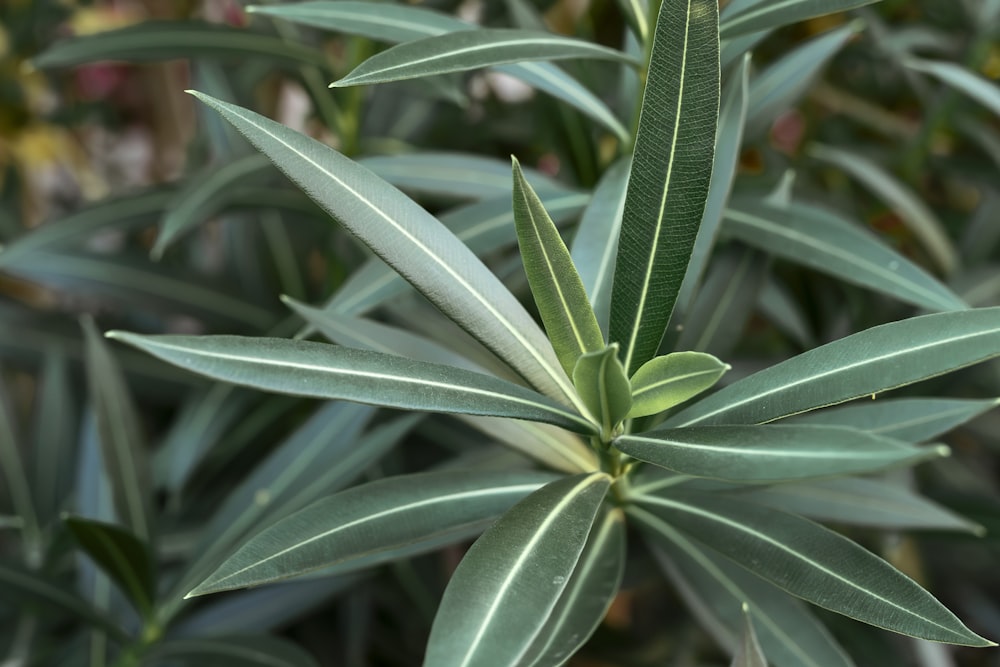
(600, 397)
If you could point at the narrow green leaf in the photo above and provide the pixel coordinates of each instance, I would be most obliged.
(663, 382)
(670, 175)
(122, 443)
(471, 49)
(168, 40)
(728, 147)
(413, 242)
(201, 198)
(600, 378)
(484, 226)
(714, 588)
(121, 555)
(555, 284)
(876, 503)
(386, 22)
(787, 313)
(302, 368)
(121, 213)
(635, 12)
(588, 594)
(749, 653)
(555, 447)
(739, 47)
(32, 589)
(771, 15)
(822, 240)
(374, 522)
(596, 242)
(877, 359)
(403, 23)
(454, 174)
(771, 453)
(814, 563)
(15, 477)
(782, 84)
(513, 576)
(55, 436)
(231, 651)
(916, 215)
(907, 419)
(962, 79)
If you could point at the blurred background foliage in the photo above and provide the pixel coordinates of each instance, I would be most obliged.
(122, 201)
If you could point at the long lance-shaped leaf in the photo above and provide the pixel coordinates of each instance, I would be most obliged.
(863, 502)
(961, 79)
(596, 242)
(814, 563)
(402, 23)
(166, 40)
(822, 240)
(408, 238)
(510, 580)
(555, 284)
(471, 49)
(877, 359)
(714, 589)
(122, 442)
(907, 419)
(15, 479)
(588, 594)
(671, 170)
(770, 15)
(771, 453)
(318, 370)
(374, 522)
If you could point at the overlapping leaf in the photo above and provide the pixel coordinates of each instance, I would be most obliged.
(670, 174)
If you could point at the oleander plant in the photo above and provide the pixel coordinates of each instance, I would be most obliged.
(376, 395)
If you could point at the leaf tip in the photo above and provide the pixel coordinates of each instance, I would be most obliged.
(942, 451)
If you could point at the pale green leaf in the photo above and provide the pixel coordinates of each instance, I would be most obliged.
(600, 378)
(635, 12)
(122, 443)
(876, 503)
(231, 651)
(169, 40)
(555, 447)
(372, 523)
(413, 242)
(822, 240)
(562, 302)
(513, 576)
(596, 242)
(962, 79)
(471, 49)
(484, 226)
(782, 84)
(908, 419)
(877, 359)
(814, 563)
(669, 380)
(714, 588)
(771, 453)
(318, 370)
(202, 197)
(913, 211)
(588, 594)
(779, 13)
(670, 175)
(121, 556)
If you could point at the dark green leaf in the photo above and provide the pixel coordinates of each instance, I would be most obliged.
(813, 563)
(231, 651)
(513, 576)
(874, 360)
(770, 15)
(749, 653)
(373, 523)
